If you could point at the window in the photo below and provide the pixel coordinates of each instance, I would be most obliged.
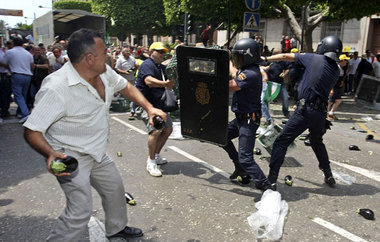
(332, 28)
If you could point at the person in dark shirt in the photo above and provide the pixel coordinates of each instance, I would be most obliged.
(295, 74)
(364, 68)
(320, 76)
(41, 70)
(246, 84)
(152, 81)
(276, 73)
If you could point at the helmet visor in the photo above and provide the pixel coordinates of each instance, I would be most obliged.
(237, 59)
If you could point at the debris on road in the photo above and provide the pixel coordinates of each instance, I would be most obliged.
(353, 147)
(366, 213)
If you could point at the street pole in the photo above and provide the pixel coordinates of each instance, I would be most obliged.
(229, 24)
(303, 26)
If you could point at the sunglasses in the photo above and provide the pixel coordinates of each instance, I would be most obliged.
(161, 51)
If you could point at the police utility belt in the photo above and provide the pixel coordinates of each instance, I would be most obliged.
(247, 116)
(317, 104)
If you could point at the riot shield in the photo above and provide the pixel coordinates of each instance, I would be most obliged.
(203, 87)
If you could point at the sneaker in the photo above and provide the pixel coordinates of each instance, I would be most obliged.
(153, 169)
(19, 116)
(160, 160)
(21, 121)
(268, 123)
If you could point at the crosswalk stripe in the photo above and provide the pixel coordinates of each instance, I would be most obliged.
(338, 230)
(370, 174)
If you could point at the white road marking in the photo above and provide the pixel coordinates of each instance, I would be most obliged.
(96, 230)
(129, 126)
(338, 230)
(204, 163)
(368, 173)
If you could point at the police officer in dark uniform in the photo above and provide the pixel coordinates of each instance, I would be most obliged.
(246, 84)
(321, 74)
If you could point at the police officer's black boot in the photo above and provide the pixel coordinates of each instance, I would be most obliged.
(239, 174)
(272, 177)
(329, 179)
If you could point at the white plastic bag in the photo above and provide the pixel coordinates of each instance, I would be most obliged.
(345, 178)
(268, 221)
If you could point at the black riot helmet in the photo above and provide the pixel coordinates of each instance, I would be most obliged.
(245, 52)
(331, 47)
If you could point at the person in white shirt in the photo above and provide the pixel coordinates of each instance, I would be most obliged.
(20, 64)
(376, 66)
(126, 66)
(71, 117)
(352, 67)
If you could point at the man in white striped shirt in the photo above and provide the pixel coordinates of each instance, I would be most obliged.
(71, 117)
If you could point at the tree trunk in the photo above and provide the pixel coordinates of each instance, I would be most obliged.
(308, 45)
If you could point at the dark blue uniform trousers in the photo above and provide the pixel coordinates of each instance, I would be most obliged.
(302, 119)
(246, 131)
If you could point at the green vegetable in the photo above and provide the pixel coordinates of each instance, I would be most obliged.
(57, 167)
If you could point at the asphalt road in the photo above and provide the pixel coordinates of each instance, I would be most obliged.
(194, 201)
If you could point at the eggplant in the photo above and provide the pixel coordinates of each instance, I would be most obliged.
(129, 198)
(257, 151)
(288, 180)
(158, 122)
(307, 142)
(59, 165)
(353, 147)
(366, 213)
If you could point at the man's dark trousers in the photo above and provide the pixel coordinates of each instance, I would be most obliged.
(246, 131)
(302, 119)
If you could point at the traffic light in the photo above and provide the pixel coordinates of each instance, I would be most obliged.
(190, 23)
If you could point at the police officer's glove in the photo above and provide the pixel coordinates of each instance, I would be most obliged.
(328, 124)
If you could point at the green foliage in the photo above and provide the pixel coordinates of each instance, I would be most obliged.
(24, 26)
(133, 16)
(70, 4)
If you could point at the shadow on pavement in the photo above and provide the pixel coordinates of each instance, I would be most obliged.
(18, 161)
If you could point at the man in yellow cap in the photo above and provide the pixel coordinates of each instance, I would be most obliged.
(152, 81)
(335, 97)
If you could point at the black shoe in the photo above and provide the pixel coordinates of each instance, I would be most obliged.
(128, 232)
(267, 186)
(235, 174)
(329, 179)
(244, 180)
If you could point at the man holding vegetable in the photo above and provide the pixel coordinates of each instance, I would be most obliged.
(71, 118)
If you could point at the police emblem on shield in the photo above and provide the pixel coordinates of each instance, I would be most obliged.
(202, 94)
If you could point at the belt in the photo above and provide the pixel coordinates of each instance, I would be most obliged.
(244, 116)
(20, 74)
(317, 104)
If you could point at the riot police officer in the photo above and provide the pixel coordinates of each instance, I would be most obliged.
(246, 84)
(321, 74)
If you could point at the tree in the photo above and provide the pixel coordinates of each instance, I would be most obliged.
(70, 4)
(215, 12)
(133, 16)
(24, 26)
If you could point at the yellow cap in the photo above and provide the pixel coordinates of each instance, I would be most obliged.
(158, 46)
(343, 57)
(294, 50)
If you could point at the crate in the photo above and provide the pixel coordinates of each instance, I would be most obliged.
(267, 138)
(120, 105)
